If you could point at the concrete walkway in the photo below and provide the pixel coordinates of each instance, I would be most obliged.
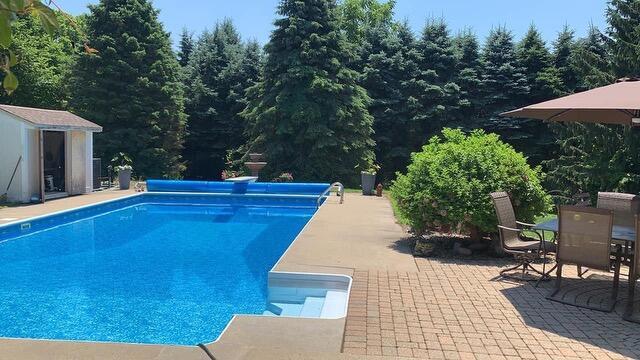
(19, 212)
(361, 233)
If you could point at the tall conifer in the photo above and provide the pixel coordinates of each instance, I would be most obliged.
(469, 78)
(438, 95)
(131, 87)
(220, 70)
(308, 114)
(504, 84)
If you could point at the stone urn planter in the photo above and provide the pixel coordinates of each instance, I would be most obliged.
(368, 182)
(124, 178)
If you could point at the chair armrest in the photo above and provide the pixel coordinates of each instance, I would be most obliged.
(520, 231)
(525, 224)
(509, 229)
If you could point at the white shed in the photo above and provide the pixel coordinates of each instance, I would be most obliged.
(44, 154)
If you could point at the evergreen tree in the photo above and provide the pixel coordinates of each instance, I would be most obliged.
(623, 17)
(438, 94)
(469, 78)
(597, 157)
(592, 61)
(563, 52)
(411, 90)
(504, 85)
(131, 87)
(385, 77)
(218, 74)
(250, 73)
(186, 47)
(308, 113)
(543, 78)
(534, 58)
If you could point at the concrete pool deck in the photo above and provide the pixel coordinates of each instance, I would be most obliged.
(24, 211)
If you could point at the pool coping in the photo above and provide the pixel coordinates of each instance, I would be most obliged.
(81, 207)
(348, 278)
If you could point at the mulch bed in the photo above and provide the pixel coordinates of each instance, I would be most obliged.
(443, 245)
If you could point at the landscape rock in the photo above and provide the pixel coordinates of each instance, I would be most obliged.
(458, 249)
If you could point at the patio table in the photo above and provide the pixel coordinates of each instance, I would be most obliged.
(623, 236)
(620, 233)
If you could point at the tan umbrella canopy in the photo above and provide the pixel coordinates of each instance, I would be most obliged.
(617, 103)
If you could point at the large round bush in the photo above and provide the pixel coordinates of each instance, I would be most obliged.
(447, 185)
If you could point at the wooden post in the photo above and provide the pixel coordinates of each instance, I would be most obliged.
(41, 162)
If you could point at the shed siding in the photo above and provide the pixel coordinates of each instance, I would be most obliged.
(12, 135)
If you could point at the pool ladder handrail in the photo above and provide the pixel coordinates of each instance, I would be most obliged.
(328, 190)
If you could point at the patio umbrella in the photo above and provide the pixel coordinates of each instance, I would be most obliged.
(617, 103)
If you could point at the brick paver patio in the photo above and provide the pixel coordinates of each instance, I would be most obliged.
(461, 310)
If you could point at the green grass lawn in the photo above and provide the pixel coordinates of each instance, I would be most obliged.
(548, 235)
(352, 190)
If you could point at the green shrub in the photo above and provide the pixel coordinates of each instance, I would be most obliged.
(447, 185)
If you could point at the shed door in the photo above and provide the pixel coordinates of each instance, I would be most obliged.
(54, 155)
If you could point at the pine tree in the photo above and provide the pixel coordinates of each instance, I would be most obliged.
(563, 52)
(308, 113)
(534, 58)
(249, 74)
(385, 76)
(504, 85)
(131, 87)
(438, 95)
(597, 157)
(186, 47)
(217, 77)
(592, 61)
(623, 17)
(535, 138)
(411, 89)
(469, 78)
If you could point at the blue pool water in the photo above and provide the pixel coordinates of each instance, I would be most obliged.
(149, 269)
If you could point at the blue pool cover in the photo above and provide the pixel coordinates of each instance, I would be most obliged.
(151, 268)
(236, 188)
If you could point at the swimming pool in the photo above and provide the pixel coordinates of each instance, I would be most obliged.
(151, 268)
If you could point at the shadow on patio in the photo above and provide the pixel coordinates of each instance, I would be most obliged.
(601, 329)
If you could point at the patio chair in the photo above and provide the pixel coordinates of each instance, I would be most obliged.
(634, 274)
(513, 241)
(624, 206)
(584, 239)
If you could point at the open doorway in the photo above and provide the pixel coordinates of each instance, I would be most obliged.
(53, 151)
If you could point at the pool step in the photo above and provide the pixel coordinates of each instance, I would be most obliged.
(334, 304)
(312, 307)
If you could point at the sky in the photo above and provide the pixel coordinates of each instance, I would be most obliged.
(254, 18)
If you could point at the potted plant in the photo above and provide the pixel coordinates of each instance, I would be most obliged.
(368, 178)
(122, 164)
